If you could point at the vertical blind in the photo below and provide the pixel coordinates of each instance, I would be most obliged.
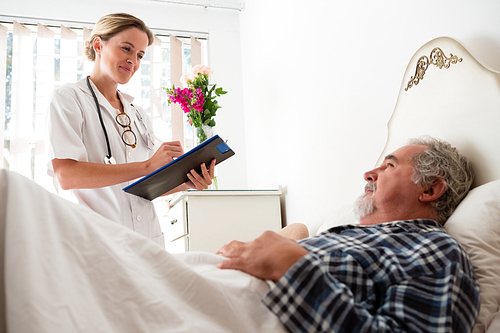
(35, 59)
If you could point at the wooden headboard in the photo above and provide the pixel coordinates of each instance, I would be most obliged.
(448, 94)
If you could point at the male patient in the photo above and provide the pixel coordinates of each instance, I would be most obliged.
(398, 271)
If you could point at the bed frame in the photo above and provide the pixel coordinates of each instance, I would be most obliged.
(448, 94)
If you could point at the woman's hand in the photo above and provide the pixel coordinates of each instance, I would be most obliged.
(200, 182)
(197, 181)
(166, 153)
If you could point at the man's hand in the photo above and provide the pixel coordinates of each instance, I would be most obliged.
(267, 257)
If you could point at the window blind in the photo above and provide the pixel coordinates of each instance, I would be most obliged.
(36, 58)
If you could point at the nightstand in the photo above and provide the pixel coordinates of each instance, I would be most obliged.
(206, 220)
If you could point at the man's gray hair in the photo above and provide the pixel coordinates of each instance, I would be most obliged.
(441, 160)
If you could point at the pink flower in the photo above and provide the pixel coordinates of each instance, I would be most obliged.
(185, 98)
(202, 69)
(199, 100)
(187, 78)
(193, 74)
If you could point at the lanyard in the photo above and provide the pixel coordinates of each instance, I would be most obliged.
(108, 159)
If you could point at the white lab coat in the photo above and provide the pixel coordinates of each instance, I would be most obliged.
(75, 132)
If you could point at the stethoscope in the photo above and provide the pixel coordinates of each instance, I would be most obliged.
(144, 133)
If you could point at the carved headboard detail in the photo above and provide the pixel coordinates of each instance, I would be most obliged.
(436, 58)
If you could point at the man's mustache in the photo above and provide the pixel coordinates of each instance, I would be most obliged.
(371, 186)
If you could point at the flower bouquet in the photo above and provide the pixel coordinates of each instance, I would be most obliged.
(197, 99)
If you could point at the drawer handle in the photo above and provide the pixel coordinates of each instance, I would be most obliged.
(173, 222)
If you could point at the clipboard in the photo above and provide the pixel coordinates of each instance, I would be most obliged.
(175, 173)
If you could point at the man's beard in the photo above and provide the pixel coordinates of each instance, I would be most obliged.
(364, 205)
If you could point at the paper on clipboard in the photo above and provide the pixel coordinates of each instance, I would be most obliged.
(175, 173)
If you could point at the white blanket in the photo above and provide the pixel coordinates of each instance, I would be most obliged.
(67, 269)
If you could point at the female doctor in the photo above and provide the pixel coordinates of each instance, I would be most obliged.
(99, 141)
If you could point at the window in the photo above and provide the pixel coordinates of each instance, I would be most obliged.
(35, 59)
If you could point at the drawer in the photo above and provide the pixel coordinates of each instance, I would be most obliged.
(178, 245)
(174, 224)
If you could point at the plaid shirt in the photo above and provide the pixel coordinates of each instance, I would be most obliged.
(404, 276)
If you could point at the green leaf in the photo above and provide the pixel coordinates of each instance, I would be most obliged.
(220, 91)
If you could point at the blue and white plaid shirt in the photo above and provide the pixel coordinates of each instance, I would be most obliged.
(405, 276)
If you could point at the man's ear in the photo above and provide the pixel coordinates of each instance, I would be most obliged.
(433, 192)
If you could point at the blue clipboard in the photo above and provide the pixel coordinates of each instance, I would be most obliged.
(175, 173)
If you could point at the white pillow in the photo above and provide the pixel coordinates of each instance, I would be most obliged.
(340, 216)
(476, 225)
(493, 323)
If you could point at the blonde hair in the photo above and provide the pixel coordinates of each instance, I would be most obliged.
(111, 24)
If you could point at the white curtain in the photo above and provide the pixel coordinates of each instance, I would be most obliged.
(21, 126)
(3, 80)
(45, 84)
(176, 72)
(35, 59)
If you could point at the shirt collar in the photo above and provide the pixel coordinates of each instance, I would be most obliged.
(126, 97)
(423, 224)
(82, 84)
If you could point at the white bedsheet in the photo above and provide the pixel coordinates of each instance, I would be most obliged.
(67, 269)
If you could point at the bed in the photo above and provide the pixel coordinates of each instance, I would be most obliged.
(70, 270)
(66, 269)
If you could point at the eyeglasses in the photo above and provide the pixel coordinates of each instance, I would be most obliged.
(128, 136)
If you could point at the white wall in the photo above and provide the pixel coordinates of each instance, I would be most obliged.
(321, 79)
(224, 54)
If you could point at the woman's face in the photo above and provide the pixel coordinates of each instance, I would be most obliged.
(120, 56)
